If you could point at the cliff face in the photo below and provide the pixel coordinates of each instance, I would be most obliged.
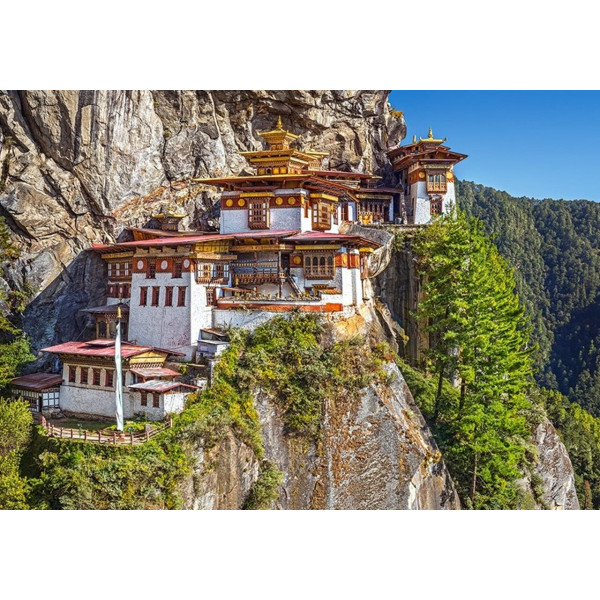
(376, 453)
(79, 166)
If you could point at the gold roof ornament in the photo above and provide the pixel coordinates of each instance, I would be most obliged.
(430, 139)
(414, 139)
(279, 135)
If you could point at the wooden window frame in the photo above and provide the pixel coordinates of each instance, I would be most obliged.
(436, 206)
(259, 214)
(169, 295)
(96, 377)
(109, 378)
(72, 374)
(155, 400)
(210, 296)
(181, 294)
(319, 265)
(143, 295)
(177, 269)
(151, 269)
(321, 216)
(144, 398)
(84, 377)
(436, 182)
(155, 295)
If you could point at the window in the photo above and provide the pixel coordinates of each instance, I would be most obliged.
(151, 270)
(144, 399)
(258, 213)
(204, 273)
(168, 296)
(155, 400)
(210, 296)
(345, 212)
(118, 270)
(109, 378)
(95, 376)
(110, 270)
(221, 271)
(436, 182)
(181, 296)
(155, 295)
(319, 266)
(177, 269)
(72, 374)
(50, 399)
(321, 216)
(435, 208)
(84, 375)
(143, 296)
(126, 269)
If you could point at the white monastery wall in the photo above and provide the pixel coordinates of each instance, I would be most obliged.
(165, 326)
(93, 401)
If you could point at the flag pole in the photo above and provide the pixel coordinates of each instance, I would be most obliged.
(118, 373)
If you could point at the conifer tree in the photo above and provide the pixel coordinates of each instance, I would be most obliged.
(478, 341)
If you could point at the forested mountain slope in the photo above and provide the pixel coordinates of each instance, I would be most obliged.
(554, 246)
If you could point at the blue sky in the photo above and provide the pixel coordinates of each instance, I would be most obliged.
(541, 144)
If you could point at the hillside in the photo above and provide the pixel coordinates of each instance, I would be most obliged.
(554, 246)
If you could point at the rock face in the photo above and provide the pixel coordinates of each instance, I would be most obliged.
(398, 287)
(77, 167)
(223, 476)
(376, 452)
(555, 468)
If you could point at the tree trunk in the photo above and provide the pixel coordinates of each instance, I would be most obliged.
(474, 482)
(438, 396)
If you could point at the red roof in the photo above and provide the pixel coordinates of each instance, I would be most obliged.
(317, 236)
(37, 381)
(103, 348)
(192, 239)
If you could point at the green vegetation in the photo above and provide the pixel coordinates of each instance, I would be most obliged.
(15, 431)
(478, 339)
(555, 248)
(288, 359)
(265, 489)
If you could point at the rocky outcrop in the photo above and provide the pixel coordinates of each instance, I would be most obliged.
(77, 167)
(223, 476)
(376, 452)
(555, 469)
(398, 288)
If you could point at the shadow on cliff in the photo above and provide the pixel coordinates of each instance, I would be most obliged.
(55, 315)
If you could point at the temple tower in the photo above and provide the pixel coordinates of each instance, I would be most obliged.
(425, 170)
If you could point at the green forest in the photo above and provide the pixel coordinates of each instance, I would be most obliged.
(553, 246)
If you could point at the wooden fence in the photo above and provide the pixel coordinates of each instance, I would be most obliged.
(105, 436)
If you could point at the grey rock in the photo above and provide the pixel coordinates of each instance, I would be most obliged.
(555, 468)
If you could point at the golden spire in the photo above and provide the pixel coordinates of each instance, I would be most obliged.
(430, 133)
(279, 123)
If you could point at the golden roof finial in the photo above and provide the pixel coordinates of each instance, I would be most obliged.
(279, 124)
(430, 133)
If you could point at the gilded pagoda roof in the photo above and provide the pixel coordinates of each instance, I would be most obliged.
(278, 133)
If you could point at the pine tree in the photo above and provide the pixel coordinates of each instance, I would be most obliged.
(478, 341)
